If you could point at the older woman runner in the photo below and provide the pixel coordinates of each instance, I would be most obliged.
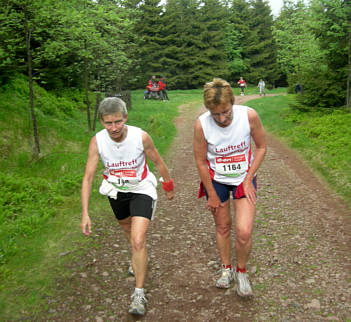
(226, 165)
(128, 184)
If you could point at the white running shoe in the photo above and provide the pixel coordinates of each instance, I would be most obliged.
(243, 287)
(130, 270)
(137, 306)
(226, 278)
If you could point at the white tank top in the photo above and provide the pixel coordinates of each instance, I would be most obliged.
(125, 162)
(229, 154)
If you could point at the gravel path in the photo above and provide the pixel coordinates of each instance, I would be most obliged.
(300, 266)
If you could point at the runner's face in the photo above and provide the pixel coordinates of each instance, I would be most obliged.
(114, 124)
(222, 114)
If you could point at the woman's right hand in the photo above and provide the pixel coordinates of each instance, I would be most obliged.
(86, 225)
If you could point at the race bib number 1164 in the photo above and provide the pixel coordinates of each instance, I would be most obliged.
(231, 166)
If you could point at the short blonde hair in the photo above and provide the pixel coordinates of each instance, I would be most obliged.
(217, 92)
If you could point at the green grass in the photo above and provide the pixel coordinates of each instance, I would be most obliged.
(321, 137)
(156, 117)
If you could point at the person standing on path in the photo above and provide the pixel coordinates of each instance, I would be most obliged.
(128, 184)
(242, 85)
(162, 88)
(261, 85)
(226, 165)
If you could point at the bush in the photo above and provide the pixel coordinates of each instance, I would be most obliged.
(15, 95)
(26, 203)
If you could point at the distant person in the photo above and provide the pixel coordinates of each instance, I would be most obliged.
(162, 88)
(227, 168)
(242, 85)
(297, 88)
(262, 85)
(128, 184)
(153, 81)
(152, 86)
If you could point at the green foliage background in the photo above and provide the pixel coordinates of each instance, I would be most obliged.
(321, 137)
(108, 45)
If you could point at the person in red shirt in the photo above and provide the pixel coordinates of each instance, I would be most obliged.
(162, 88)
(242, 85)
(153, 81)
(152, 86)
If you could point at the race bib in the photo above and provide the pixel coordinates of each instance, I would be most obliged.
(123, 179)
(231, 166)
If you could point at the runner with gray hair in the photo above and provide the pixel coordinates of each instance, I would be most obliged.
(128, 184)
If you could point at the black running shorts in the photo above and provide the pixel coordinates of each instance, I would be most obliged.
(130, 204)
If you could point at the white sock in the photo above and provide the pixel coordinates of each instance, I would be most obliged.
(139, 291)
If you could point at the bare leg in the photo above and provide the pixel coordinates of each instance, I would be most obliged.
(244, 216)
(139, 252)
(126, 225)
(223, 222)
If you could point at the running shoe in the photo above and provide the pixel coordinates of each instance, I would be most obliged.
(137, 306)
(226, 278)
(243, 287)
(130, 270)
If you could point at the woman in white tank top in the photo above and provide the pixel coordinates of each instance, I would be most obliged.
(128, 183)
(226, 165)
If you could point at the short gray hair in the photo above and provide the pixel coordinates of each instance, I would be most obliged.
(112, 105)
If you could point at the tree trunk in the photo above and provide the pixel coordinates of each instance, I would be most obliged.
(348, 93)
(86, 86)
(118, 86)
(36, 149)
(98, 99)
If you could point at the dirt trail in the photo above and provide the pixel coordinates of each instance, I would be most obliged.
(300, 266)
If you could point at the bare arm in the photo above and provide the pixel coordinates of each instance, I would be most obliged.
(200, 154)
(90, 169)
(259, 138)
(152, 153)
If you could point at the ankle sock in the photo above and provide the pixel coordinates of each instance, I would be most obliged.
(139, 291)
(241, 270)
(227, 266)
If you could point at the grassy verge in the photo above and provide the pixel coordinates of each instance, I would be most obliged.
(321, 137)
(40, 199)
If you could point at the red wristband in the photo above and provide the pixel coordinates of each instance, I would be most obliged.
(168, 186)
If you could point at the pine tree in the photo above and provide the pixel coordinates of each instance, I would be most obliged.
(195, 51)
(233, 52)
(331, 26)
(298, 53)
(239, 20)
(211, 61)
(176, 37)
(183, 43)
(261, 49)
(149, 44)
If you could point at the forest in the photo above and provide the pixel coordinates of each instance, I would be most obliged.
(109, 45)
(58, 58)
